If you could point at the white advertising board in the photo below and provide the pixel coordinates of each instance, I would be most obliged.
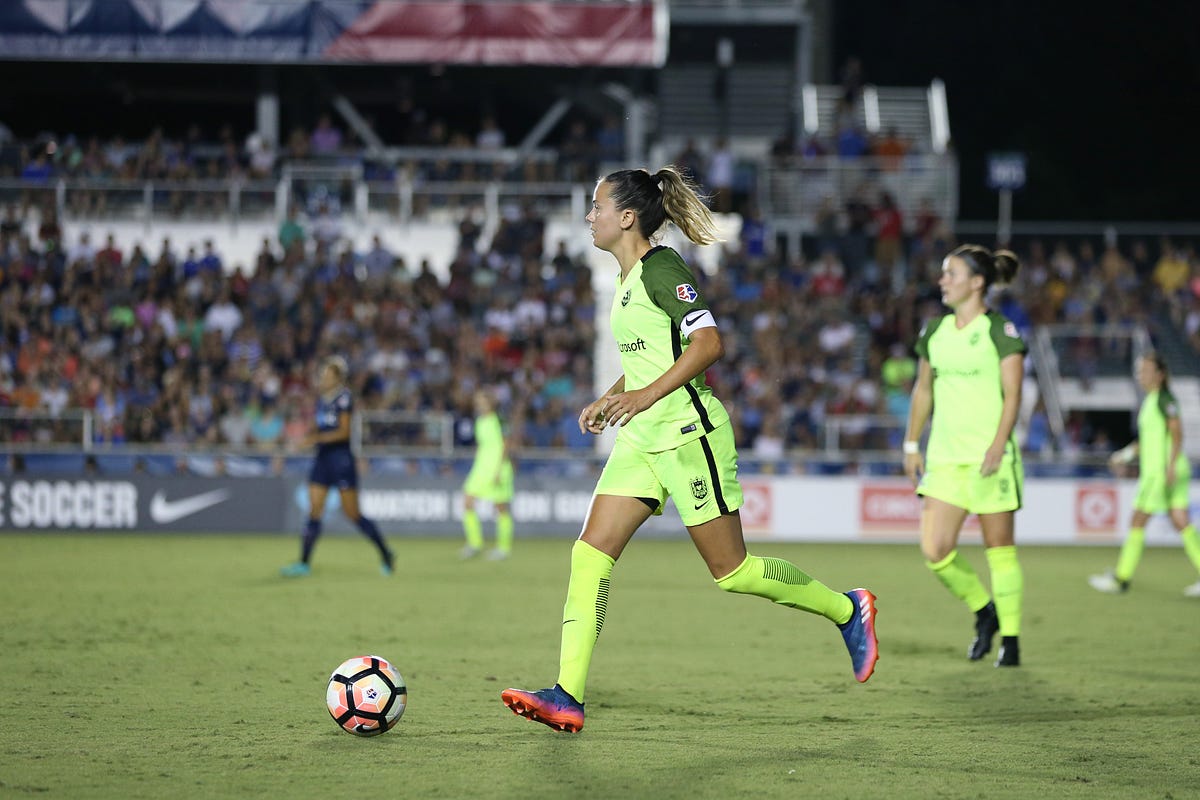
(1056, 511)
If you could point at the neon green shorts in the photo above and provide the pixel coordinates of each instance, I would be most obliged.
(962, 486)
(1154, 496)
(701, 476)
(488, 484)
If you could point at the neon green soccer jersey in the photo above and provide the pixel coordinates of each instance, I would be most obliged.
(489, 441)
(967, 393)
(491, 475)
(1154, 440)
(649, 307)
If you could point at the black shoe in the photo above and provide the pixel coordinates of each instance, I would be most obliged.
(1010, 653)
(986, 625)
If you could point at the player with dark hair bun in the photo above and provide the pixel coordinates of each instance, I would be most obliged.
(1164, 475)
(972, 363)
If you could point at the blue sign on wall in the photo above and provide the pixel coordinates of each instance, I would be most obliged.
(1005, 170)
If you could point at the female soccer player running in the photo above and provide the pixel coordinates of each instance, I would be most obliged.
(1164, 474)
(334, 466)
(490, 478)
(674, 440)
(972, 361)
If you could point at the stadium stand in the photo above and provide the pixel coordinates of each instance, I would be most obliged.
(174, 285)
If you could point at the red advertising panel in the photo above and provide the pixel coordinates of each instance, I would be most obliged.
(757, 514)
(885, 508)
(1096, 509)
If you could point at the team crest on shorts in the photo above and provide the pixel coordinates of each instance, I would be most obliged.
(625, 297)
(699, 488)
(685, 292)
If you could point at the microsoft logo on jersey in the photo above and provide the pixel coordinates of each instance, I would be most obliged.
(685, 292)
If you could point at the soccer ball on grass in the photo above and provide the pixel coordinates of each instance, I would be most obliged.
(366, 696)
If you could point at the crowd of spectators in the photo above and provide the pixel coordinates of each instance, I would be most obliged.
(182, 168)
(169, 345)
(176, 348)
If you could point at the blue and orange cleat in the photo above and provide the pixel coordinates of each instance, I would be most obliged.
(859, 633)
(553, 707)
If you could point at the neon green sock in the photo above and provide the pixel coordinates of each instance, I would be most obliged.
(473, 528)
(957, 575)
(583, 615)
(1191, 545)
(784, 583)
(1131, 554)
(504, 531)
(1008, 587)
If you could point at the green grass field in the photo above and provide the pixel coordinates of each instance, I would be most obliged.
(183, 667)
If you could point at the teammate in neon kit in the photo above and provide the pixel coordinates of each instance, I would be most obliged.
(674, 440)
(490, 478)
(333, 465)
(972, 362)
(1164, 474)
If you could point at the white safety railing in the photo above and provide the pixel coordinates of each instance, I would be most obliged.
(798, 188)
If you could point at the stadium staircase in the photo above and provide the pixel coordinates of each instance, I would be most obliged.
(1170, 341)
(881, 108)
(758, 102)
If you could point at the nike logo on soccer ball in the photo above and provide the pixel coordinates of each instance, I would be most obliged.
(164, 511)
(691, 319)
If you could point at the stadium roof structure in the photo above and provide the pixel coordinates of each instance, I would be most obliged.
(632, 33)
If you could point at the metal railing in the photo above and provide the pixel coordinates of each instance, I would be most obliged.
(871, 432)
(235, 202)
(385, 432)
(797, 188)
(70, 429)
(1045, 366)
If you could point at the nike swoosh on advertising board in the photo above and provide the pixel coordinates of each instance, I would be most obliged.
(164, 511)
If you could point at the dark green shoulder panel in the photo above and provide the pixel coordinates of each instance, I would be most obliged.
(1005, 335)
(1167, 406)
(669, 282)
(921, 348)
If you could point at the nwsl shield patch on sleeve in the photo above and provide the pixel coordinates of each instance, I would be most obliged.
(686, 293)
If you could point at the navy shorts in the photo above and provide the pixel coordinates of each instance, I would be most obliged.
(334, 467)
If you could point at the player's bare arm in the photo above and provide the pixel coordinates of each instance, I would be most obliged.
(1012, 372)
(918, 416)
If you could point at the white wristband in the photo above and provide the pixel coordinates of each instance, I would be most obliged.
(911, 448)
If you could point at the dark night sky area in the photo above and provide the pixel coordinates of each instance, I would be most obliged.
(1104, 99)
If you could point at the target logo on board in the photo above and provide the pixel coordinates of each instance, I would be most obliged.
(756, 506)
(1096, 509)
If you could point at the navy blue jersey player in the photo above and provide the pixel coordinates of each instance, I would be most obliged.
(334, 466)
